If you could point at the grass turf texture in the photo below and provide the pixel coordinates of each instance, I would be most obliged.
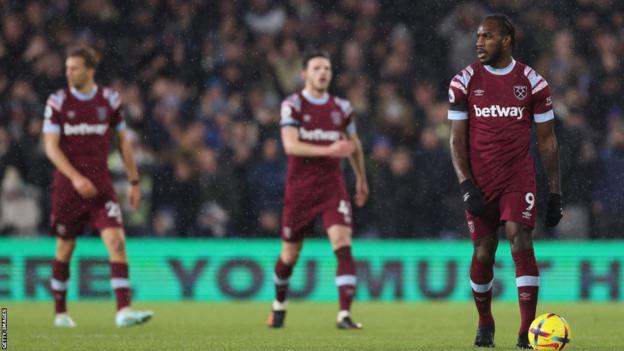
(309, 326)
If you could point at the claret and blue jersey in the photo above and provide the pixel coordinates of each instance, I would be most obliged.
(500, 106)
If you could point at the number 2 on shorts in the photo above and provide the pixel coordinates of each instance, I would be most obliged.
(345, 209)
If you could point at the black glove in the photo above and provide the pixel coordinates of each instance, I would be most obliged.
(554, 210)
(473, 201)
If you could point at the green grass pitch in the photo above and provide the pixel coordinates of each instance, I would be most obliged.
(309, 326)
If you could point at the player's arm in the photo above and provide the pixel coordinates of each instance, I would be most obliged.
(473, 200)
(458, 115)
(548, 147)
(459, 149)
(357, 163)
(53, 151)
(295, 147)
(127, 155)
(549, 153)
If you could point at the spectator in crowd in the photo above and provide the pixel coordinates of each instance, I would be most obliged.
(609, 196)
(201, 84)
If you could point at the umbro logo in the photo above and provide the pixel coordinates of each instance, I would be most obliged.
(479, 92)
(525, 296)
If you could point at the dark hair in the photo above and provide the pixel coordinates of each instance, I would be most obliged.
(310, 54)
(505, 25)
(90, 57)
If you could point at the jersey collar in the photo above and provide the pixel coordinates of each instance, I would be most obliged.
(315, 100)
(501, 71)
(82, 96)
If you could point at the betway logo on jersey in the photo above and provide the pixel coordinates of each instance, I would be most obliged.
(499, 111)
(319, 134)
(85, 129)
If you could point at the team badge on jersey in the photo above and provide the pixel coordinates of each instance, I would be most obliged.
(336, 117)
(520, 91)
(101, 113)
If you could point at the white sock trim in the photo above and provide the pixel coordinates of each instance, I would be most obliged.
(58, 285)
(527, 280)
(280, 281)
(117, 283)
(346, 280)
(279, 306)
(481, 288)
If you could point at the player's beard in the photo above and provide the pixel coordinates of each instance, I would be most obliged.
(79, 82)
(496, 55)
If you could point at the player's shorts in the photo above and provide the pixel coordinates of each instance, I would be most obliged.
(518, 207)
(71, 213)
(298, 218)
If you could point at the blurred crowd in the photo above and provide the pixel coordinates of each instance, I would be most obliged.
(202, 83)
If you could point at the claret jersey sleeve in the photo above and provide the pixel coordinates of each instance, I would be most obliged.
(290, 111)
(52, 113)
(458, 94)
(541, 99)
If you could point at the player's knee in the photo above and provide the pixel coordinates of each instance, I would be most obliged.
(64, 249)
(340, 239)
(484, 256)
(341, 242)
(521, 238)
(290, 255)
(117, 244)
(521, 243)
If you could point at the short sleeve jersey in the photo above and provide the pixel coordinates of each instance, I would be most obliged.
(85, 123)
(500, 106)
(321, 122)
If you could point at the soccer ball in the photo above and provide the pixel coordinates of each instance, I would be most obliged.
(549, 332)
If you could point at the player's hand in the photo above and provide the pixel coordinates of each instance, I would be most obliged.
(554, 210)
(134, 196)
(84, 187)
(361, 192)
(341, 149)
(473, 201)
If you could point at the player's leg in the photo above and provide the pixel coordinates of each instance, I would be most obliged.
(527, 276)
(340, 237)
(115, 242)
(297, 222)
(482, 277)
(518, 210)
(60, 280)
(485, 241)
(281, 276)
